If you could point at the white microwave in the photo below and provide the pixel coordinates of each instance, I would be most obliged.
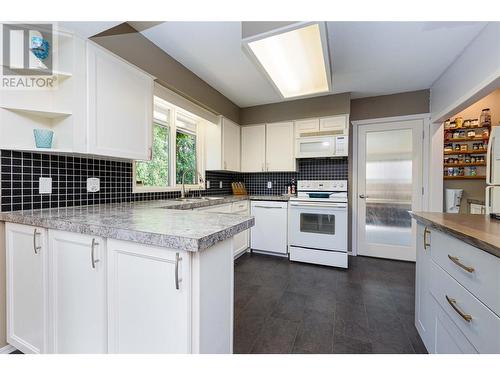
(324, 146)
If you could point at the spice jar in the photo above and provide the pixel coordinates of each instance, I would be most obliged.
(474, 123)
(467, 123)
(457, 147)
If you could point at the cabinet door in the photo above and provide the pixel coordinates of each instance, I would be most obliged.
(279, 147)
(77, 287)
(120, 107)
(230, 146)
(241, 240)
(26, 249)
(424, 305)
(148, 300)
(306, 126)
(336, 124)
(253, 148)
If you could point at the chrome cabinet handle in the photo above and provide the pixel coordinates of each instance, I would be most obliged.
(35, 247)
(426, 232)
(453, 304)
(456, 260)
(93, 260)
(177, 280)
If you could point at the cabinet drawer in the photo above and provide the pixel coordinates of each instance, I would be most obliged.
(480, 273)
(483, 329)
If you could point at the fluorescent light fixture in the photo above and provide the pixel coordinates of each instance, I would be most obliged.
(296, 61)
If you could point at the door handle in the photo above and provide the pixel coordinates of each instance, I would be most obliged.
(35, 247)
(177, 280)
(93, 260)
(362, 196)
(426, 243)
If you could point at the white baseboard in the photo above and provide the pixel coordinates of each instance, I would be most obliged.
(7, 349)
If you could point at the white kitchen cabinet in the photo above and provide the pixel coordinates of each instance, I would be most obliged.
(26, 259)
(461, 315)
(335, 124)
(77, 285)
(241, 241)
(120, 106)
(280, 156)
(424, 305)
(149, 290)
(271, 227)
(304, 127)
(222, 144)
(230, 145)
(253, 148)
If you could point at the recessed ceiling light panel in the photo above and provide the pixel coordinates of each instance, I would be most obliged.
(296, 61)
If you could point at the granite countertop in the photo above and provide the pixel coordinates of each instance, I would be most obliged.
(143, 222)
(480, 231)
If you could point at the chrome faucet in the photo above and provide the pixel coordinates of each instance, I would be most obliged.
(200, 179)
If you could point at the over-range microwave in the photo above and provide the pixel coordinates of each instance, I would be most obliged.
(323, 146)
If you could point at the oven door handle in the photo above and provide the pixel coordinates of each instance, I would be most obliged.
(318, 205)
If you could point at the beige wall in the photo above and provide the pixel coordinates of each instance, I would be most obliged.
(296, 109)
(3, 325)
(406, 103)
(132, 46)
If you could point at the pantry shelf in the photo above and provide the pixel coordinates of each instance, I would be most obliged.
(465, 165)
(464, 177)
(466, 139)
(465, 152)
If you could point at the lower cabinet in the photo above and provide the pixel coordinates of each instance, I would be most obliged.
(27, 290)
(78, 301)
(75, 293)
(148, 299)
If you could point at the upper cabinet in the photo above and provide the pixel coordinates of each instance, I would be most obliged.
(279, 147)
(120, 106)
(268, 148)
(334, 125)
(253, 148)
(223, 146)
(99, 105)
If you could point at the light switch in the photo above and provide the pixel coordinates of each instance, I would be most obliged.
(208, 184)
(220, 184)
(45, 185)
(93, 185)
(269, 185)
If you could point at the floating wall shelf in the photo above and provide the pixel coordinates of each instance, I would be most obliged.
(39, 113)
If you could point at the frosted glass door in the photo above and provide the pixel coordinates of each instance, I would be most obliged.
(389, 187)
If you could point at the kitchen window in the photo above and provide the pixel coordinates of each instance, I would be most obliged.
(176, 151)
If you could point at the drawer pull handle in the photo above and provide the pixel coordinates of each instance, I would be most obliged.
(177, 280)
(453, 304)
(426, 243)
(456, 260)
(36, 248)
(93, 260)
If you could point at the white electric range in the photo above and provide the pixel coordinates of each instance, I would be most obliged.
(317, 223)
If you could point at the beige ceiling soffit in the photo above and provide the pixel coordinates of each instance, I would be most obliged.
(121, 29)
(144, 25)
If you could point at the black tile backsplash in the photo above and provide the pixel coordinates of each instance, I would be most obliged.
(20, 171)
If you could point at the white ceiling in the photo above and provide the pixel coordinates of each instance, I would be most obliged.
(368, 58)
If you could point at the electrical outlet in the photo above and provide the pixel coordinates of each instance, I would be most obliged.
(269, 185)
(45, 185)
(220, 184)
(208, 184)
(93, 185)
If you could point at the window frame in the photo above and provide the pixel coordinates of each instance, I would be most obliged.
(200, 155)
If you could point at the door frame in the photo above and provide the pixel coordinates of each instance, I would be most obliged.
(426, 161)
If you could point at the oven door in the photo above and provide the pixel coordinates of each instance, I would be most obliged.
(318, 225)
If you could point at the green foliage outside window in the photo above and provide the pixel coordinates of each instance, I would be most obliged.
(156, 171)
(185, 157)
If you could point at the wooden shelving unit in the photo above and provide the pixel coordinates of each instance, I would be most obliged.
(466, 139)
(465, 152)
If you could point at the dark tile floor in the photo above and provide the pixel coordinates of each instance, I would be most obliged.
(285, 307)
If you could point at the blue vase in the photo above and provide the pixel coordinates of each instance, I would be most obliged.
(43, 138)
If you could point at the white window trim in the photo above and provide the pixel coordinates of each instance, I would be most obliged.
(200, 154)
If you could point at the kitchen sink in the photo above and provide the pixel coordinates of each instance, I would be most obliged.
(197, 199)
